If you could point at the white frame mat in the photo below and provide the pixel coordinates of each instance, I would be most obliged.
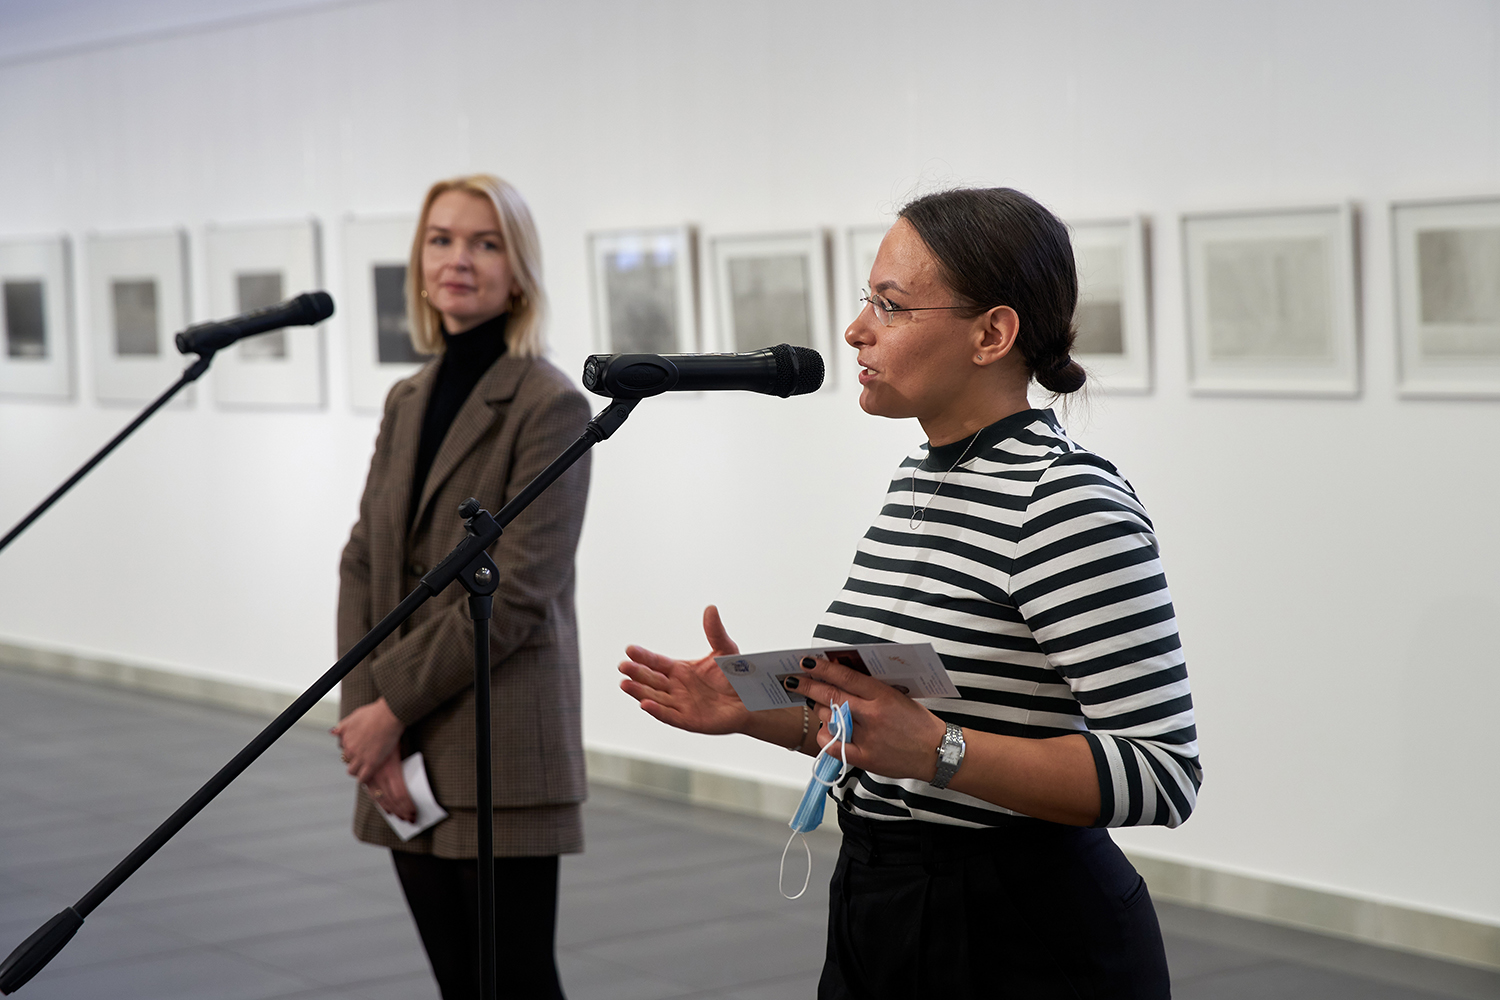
(1114, 270)
(119, 268)
(1448, 307)
(370, 242)
(45, 262)
(812, 247)
(1286, 291)
(284, 368)
(861, 244)
(677, 243)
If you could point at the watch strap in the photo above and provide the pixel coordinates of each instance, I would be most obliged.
(950, 754)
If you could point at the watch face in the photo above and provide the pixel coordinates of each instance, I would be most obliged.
(950, 755)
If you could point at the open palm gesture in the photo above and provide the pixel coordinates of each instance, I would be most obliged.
(689, 694)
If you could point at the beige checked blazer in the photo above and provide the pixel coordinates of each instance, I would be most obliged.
(522, 414)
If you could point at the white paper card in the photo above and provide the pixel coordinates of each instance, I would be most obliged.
(429, 813)
(913, 669)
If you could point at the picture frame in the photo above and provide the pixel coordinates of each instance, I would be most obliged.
(250, 267)
(376, 252)
(645, 290)
(772, 289)
(1447, 282)
(1271, 302)
(138, 301)
(1113, 317)
(36, 334)
(861, 244)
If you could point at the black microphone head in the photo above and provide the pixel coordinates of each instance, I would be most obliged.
(315, 308)
(799, 370)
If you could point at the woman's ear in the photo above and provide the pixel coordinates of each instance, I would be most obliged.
(996, 335)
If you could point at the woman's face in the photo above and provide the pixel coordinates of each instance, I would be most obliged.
(922, 365)
(465, 268)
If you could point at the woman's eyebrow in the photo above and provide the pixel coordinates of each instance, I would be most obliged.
(887, 285)
(483, 232)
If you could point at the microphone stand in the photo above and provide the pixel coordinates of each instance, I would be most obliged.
(191, 374)
(468, 564)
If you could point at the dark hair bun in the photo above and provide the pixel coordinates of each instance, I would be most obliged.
(1062, 378)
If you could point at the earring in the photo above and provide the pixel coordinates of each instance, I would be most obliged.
(977, 357)
(424, 293)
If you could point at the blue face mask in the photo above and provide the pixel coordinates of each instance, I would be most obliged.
(828, 771)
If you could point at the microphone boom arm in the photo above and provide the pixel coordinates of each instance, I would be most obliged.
(190, 374)
(482, 529)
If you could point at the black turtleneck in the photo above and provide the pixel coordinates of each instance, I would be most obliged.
(466, 357)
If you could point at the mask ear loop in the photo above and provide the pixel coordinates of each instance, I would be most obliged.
(781, 877)
(842, 737)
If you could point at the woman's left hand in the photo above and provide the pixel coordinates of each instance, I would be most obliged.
(367, 736)
(893, 735)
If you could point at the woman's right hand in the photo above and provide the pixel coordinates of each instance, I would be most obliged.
(388, 788)
(689, 694)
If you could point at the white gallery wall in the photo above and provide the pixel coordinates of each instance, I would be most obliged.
(1335, 563)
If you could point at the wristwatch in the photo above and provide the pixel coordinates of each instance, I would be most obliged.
(950, 754)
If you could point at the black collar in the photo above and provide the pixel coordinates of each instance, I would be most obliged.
(943, 457)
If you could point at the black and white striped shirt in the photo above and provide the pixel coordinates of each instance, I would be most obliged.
(1034, 573)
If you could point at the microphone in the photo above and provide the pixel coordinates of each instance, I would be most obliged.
(305, 310)
(782, 371)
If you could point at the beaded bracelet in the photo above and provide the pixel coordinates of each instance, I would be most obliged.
(805, 715)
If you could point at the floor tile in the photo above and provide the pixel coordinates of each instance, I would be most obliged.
(343, 954)
(188, 975)
(108, 939)
(1289, 981)
(267, 895)
(586, 978)
(717, 954)
(419, 987)
(291, 905)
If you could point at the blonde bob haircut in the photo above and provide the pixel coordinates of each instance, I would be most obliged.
(524, 332)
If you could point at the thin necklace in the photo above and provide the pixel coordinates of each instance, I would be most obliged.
(919, 513)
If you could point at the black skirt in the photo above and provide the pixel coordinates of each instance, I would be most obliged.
(1027, 909)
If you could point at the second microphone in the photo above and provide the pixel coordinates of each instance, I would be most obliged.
(782, 370)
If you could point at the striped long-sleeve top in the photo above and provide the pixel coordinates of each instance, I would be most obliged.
(1033, 570)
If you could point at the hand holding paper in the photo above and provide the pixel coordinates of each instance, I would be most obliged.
(429, 813)
(913, 669)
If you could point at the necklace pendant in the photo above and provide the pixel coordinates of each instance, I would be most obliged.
(915, 521)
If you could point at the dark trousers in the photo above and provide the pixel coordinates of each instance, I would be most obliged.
(444, 898)
(1031, 910)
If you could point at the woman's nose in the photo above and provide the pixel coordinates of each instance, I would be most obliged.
(861, 332)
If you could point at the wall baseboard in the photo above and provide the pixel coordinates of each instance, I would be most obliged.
(1384, 924)
(167, 683)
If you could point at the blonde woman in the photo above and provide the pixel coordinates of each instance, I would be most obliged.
(480, 419)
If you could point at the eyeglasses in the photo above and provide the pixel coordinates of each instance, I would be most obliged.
(885, 310)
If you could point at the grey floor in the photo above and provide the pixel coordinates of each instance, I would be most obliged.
(266, 895)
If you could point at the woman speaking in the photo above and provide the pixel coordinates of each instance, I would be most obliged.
(479, 420)
(974, 863)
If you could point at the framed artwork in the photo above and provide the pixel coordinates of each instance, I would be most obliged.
(645, 284)
(376, 251)
(861, 243)
(251, 267)
(1271, 302)
(137, 302)
(772, 290)
(1448, 297)
(1113, 314)
(36, 342)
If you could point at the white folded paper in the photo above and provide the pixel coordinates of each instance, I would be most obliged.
(417, 786)
(911, 668)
